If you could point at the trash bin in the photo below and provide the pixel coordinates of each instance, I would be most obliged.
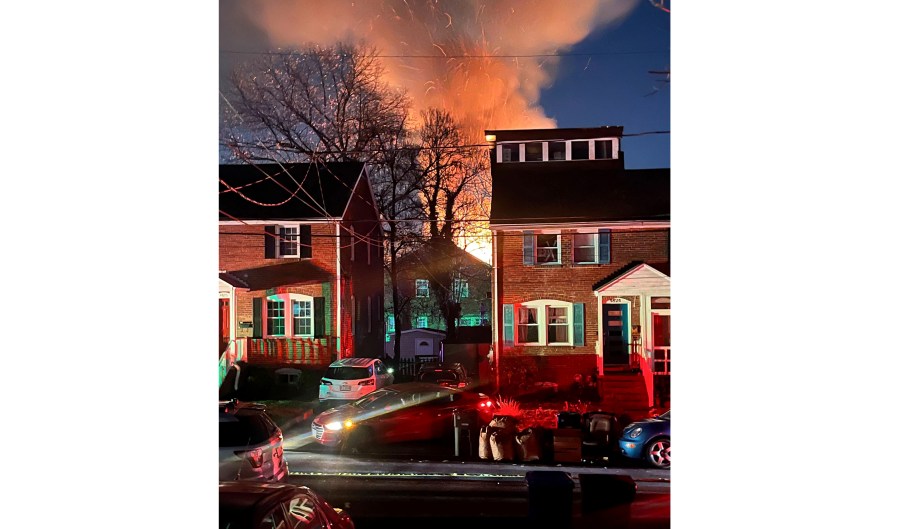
(465, 430)
(549, 498)
(568, 419)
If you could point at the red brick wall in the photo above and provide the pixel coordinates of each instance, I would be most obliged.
(518, 283)
(242, 246)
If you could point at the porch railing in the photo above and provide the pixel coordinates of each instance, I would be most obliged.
(314, 352)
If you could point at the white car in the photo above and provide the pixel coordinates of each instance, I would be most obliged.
(352, 378)
(250, 444)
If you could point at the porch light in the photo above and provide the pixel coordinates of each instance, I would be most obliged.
(490, 138)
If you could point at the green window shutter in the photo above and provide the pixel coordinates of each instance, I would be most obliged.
(271, 239)
(305, 241)
(258, 319)
(578, 323)
(528, 247)
(509, 326)
(326, 313)
(603, 243)
(318, 317)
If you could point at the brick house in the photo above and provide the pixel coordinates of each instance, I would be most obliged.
(422, 273)
(300, 264)
(581, 265)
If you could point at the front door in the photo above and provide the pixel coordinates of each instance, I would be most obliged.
(224, 325)
(615, 337)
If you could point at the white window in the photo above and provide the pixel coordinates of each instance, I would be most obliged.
(603, 149)
(390, 323)
(460, 288)
(421, 288)
(547, 248)
(287, 241)
(585, 248)
(422, 322)
(301, 309)
(300, 322)
(534, 151)
(510, 152)
(544, 322)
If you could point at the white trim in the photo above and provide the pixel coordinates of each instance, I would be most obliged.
(337, 313)
(607, 290)
(623, 225)
(596, 246)
(288, 300)
(614, 301)
(545, 157)
(278, 222)
(542, 306)
(559, 258)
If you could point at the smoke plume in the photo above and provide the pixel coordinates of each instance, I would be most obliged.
(483, 93)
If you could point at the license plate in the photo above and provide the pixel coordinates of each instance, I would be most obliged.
(345, 387)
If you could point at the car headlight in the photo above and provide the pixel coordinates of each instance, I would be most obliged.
(336, 425)
(634, 434)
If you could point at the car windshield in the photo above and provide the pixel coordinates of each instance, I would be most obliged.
(247, 429)
(346, 373)
(378, 400)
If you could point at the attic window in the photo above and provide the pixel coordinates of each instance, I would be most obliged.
(603, 149)
(580, 150)
(510, 152)
(534, 151)
(557, 150)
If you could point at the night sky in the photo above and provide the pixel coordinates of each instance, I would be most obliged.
(616, 89)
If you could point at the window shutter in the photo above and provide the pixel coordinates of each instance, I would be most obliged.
(319, 317)
(603, 241)
(271, 240)
(509, 326)
(578, 321)
(306, 241)
(258, 319)
(528, 247)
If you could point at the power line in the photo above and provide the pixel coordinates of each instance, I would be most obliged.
(465, 56)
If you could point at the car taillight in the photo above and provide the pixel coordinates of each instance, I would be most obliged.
(461, 385)
(486, 404)
(255, 456)
(367, 383)
(325, 382)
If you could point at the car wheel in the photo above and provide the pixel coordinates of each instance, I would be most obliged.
(359, 441)
(659, 452)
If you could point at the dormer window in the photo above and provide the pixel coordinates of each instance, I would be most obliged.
(534, 151)
(558, 150)
(580, 150)
(603, 149)
(510, 152)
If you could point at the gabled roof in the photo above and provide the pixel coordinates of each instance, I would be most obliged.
(576, 191)
(661, 269)
(298, 272)
(286, 192)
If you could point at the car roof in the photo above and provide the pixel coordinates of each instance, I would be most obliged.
(257, 497)
(353, 362)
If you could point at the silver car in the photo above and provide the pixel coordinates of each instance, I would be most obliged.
(250, 444)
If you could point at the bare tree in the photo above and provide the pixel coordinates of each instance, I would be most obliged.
(453, 194)
(330, 103)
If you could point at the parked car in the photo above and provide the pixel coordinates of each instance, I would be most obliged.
(452, 375)
(264, 506)
(401, 412)
(352, 378)
(649, 439)
(252, 382)
(250, 444)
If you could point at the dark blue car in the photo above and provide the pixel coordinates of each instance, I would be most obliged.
(649, 439)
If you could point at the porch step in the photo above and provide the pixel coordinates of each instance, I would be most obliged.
(624, 394)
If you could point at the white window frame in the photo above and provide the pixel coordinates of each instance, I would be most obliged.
(280, 237)
(592, 155)
(576, 246)
(419, 283)
(288, 301)
(461, 287)
(543, 308)
(558, 248)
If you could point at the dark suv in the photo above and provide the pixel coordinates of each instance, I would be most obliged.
(448, 375)
(250, 444)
